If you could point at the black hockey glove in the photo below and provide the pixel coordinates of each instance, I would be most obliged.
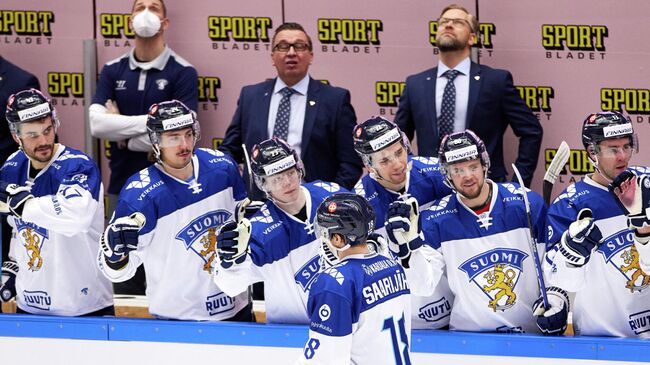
(14, 197)
(8, 281)
(552, 321)
(121, 237)
(579, 240)
(232, 242)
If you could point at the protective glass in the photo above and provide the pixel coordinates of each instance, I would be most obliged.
(32, 131)
(282, 179)
(456, 171)
(388, 156)
(613, 151)
(177, 138)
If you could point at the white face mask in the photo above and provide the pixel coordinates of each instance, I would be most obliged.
(146, 24)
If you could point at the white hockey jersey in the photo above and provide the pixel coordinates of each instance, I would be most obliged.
(285, 254)
(177, 243)
(488, 259)
(56, 241)
(426, 184)
(612, 292)
(359, 310)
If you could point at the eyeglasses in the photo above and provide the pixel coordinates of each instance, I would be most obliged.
(458, 22)
(298, 47)
(386, 158)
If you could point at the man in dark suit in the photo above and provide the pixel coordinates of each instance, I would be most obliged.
(314, 118)
(12, 80)
(483, 100)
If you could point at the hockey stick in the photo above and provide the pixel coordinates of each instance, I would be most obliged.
(533, 243)
(557, 164)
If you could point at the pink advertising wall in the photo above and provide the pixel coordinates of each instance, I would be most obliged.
(567, 58)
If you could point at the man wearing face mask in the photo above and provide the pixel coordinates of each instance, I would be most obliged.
(150, 73)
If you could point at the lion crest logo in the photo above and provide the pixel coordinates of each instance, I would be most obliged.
(501, 281)
(33, 237)
(496, 273)
(200, 236)
(619, 251)
(638, 280)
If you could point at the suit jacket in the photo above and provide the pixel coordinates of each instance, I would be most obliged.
(326, 148)
(12, 80)
(493, 105)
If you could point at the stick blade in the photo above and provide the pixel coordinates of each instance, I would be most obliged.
(559, 160)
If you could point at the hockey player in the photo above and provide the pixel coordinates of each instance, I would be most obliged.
(396, 175)
(54, 196)
(592, 249)
(167, 217)
(359, 308)
(284, 252)
(481, 234)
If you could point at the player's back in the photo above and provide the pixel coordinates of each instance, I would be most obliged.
(360, 310)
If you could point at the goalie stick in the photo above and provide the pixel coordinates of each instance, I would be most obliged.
(554, 168)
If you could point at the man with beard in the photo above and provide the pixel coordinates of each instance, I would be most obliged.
(395, 175)
(597, 249)
(55, 200)
(149, 73)
(481, 237)
(167, 217)
(460, 94)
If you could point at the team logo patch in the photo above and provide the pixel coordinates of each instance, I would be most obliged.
(620, 252)
(200, 235)
(330, 187)
(161, 83)
(324, 312)
(32, 237)
(496, 273)
(306, 275)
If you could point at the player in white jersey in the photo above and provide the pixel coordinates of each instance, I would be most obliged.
(54, 196)
(167, 218)
(395, 175)
(592, 249)
(284, 252)
(359, 307)
(482, 238)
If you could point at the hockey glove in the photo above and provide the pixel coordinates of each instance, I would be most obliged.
(246, 208)
(376, 243)
(552, 321)
(15, 197)
(8, 281)
(121, 237)
(580, 239)
(633, 196)
(402, 226)
(232, 242)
